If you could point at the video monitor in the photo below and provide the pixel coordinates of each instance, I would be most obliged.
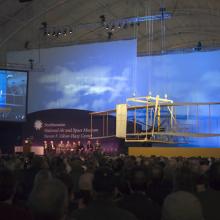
(13, 95)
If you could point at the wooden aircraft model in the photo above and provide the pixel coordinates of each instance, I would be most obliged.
(157, 120)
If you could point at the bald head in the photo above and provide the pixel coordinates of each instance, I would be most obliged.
(49, 200)
(214, 176)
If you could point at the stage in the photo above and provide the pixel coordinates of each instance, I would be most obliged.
(174, 151)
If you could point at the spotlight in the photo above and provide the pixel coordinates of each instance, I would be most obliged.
(59, 33)
(199, 46)
(44, 25)
(107, 27)
(110, 35)
(70, 31)
(125, 26)
(119, 25)
(48, 33)
(102, 17)
(54, 34)
(113, 28)
(64, 32)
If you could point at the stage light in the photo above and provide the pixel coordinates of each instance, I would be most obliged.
(199, 46)
(48, 33)
(112, 24)
(110, 35)
(102, 17)
(64, 33)
(125, 26)
(54, 34)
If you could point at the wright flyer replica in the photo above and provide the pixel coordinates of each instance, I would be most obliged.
(160, 120)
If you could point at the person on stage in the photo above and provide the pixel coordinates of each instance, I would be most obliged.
(52, 146)
(79, 147)
(97, 146)
(45, 147)
(68, 146)
(61, 147)
(89, 146)
(73, 147)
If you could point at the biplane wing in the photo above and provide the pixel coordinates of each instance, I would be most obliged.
(5, 109)
(153, 117)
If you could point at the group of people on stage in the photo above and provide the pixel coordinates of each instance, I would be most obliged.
(68, 146)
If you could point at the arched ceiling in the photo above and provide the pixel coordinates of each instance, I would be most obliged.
(191, 22)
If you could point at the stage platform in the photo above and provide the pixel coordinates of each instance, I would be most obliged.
(174, 151)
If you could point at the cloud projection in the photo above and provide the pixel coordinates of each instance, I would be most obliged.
(99, 76)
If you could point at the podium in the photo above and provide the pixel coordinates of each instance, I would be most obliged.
(26, 149)
(38, 150)
(27, 146)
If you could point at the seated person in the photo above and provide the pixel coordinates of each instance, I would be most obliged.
(89, 146)
(79, 147)
(7, 191)
(52, 146)
(97, 146)
(73, 147)
(68, 146)
(45, 145)
(61, 147)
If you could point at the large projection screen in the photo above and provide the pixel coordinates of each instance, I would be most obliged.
(13, 95)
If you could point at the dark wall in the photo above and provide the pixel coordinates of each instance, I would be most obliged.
(10, 135)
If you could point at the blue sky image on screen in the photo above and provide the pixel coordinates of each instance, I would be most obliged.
(98, 76)
(189, 77)
(3, 78)
(13, 85)
(93, 76)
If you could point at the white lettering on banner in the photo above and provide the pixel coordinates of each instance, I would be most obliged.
(54, 125)
(62, 131)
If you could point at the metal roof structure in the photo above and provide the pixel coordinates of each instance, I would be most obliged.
(192, 25)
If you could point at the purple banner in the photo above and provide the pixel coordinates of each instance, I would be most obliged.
(68, 126)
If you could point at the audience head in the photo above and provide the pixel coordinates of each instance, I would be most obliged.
(184, 180)
(103, 181)
(7, 185)
(156, 173)
(182, 206)
(214, 176)
(49, 200)
(85, 181)
(41, 176)
(138, 180)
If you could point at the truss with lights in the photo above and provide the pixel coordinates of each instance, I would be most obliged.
(64, 30)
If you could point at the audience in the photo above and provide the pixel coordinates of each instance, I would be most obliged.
(137, 201)
(49, 200)
(103, 207)
(182, 205)
(95, 186)
(9, 211)
(210, 198)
